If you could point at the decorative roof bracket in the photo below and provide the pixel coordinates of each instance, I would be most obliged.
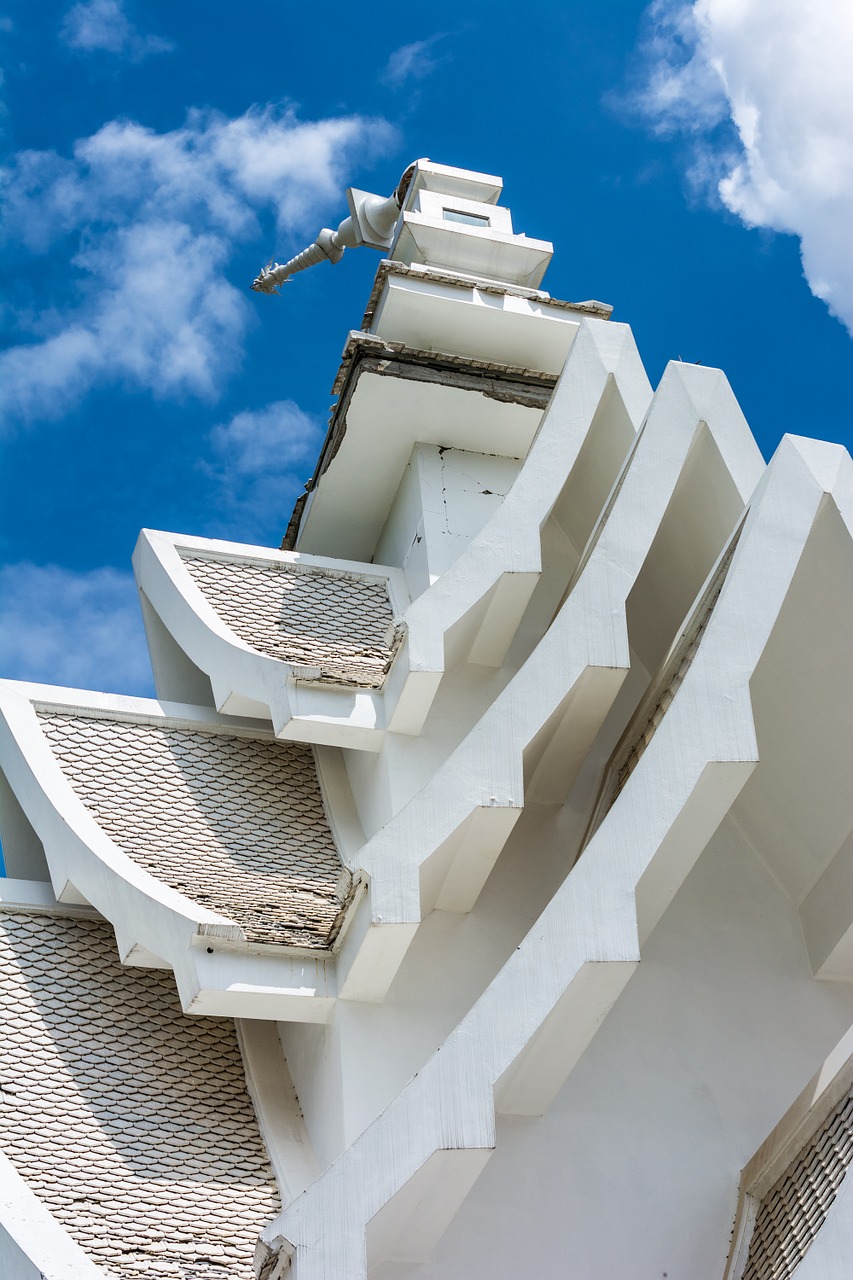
(371, 222)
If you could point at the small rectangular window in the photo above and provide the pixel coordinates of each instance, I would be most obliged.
(471, 219)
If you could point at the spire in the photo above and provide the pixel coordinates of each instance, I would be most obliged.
(372, 220)
(437, 216)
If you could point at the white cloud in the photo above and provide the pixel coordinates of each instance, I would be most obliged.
(82, 629)
(779, 72)
(411, 62)
(142, 225)
(103, 26)
(681, 90)
(162, 318)
(261, 460)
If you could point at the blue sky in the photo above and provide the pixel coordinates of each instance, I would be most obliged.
(693, 166)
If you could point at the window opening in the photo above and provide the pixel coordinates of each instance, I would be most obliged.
(471, 219)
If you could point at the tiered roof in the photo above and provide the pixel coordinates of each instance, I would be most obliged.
(130, 1121)
(338, 626)
(235, 823)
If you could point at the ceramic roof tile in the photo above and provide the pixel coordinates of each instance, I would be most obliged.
(236, 824)
(794, 1209)
(129, 1120)
(341, 623)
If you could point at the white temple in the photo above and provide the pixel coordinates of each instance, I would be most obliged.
(475, 901)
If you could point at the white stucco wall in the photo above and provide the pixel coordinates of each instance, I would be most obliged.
(523, 591)
(444, 499)
(347, 1071)
(633, 1171)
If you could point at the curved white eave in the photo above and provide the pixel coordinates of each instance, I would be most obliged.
(506, 555)
(466, 810)
(325, 714)
(217, 971)
(504, 558)
(515, 1047)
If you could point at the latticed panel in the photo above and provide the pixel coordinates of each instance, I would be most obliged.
(236, 824)
(650, 713)
(130, 1121)
(669, 681)
(794, 1209)
(338, 623)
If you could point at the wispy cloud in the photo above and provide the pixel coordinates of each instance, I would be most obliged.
(764, 92)
(161, 317)
(103, 26)
(82, 629)
(411, 62)
(677, 89)
(148, 222)
(260, 460)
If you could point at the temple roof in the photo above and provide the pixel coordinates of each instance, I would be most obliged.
(234, 823)
(130, 1121)
(338, 625)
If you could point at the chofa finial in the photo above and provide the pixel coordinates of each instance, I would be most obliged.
(371, 221)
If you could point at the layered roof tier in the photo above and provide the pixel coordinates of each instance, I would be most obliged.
(204, 841)
(128, 1140)
(235, 824)
(578, 703)
(310, 643)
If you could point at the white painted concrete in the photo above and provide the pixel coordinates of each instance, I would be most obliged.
(467, 320)
(598, 816)
(634, 1168)
(23, 852)
(372, 463)
(586, 639)
(424, 233)
(709, 720)
(445, 498)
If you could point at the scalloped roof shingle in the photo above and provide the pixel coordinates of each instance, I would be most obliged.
(131, 1122)
(336, 622)
(236, 824)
